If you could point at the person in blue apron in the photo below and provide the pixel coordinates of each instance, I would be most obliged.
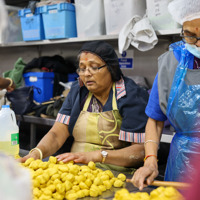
(104, 112)
(175, 96)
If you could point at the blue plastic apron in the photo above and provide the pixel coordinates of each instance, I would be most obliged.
(183, 112)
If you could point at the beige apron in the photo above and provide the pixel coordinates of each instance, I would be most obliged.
(97, 131)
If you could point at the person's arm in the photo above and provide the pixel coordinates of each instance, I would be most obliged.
(7, 83)
(131, 156)
(51, 142)
(150, 169)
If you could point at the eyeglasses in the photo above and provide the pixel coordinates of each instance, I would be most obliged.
(189, 39)
(92, 70)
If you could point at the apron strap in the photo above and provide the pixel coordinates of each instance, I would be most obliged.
(87, 102)
(114, 102)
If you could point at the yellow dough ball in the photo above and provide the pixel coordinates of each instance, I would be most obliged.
(97, 181)
(107, 184)
(36, 183)
(28, 161)
(86, 192)
(102, 188)
(88, 182)
(34, 165)
(36, 192)
(83, 185)
(53, 159)
(74, 169)
(72, 196)
(122, 177)
(110, 174)
(52, 171)
(55, 176)
(70, 177)
(105, 177)
(58, 196)
(43, 165)
(63, 168)
(118, 183)
(92, 165)
(85, 169)
(80, 194)
(68, 185)
(93, 193)
(52, 187)
(58, 180)
(76, 188)
(60, 188)
(47, 192)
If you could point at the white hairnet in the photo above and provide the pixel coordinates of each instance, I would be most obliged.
(184, 10)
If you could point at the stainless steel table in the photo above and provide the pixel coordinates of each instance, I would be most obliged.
(34, 121)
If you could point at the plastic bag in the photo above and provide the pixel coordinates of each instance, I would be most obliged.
(21, 100)
(15, 181)
(3, 21)
(159, 16)
(87, 10)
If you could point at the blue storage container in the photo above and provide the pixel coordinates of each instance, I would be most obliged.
(72, 77)
(31, 24)
(59, 21)
(43, 85)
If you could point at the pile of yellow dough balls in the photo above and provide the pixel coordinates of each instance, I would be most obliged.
(58, 180)
(161, 193)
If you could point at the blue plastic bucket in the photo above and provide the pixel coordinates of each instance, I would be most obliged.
(43, 85)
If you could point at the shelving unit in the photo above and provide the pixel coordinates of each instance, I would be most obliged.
(145, 62)
(169, 32)
(77, 40)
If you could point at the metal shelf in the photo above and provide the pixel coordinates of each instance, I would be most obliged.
(60, 41)
(168, 32)
(77, 40)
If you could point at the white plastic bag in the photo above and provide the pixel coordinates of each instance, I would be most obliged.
(3, 21)
(119, 12)
(15, 181)
(10, 27)
(158, 14)
(90, 19)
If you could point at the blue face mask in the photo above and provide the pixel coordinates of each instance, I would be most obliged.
(193, 49)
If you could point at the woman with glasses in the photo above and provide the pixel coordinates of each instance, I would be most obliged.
(104, 112)
(175, 96)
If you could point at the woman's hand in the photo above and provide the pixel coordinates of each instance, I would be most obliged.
(80, 157)
(148, 172)
(11, 88)
(33, 154)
